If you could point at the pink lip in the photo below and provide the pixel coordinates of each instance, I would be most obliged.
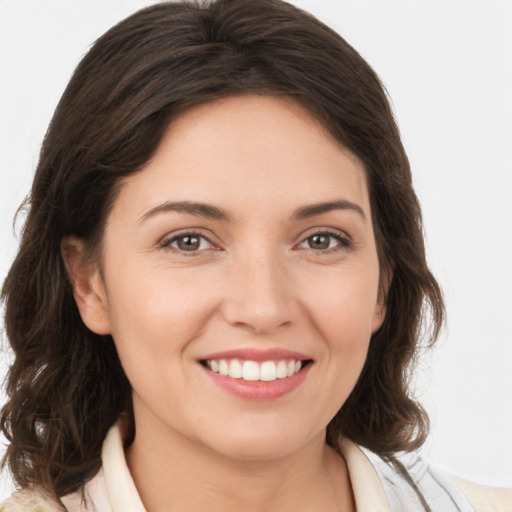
(258, 390)
(253, 354)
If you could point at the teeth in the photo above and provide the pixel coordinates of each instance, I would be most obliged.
(252, 371)
(235, 369)
(281, 372)
(268, 371)
(223, 367)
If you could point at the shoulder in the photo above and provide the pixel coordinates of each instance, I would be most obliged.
(31, 500)
(407, 483)
(92, 498)
(485, 498)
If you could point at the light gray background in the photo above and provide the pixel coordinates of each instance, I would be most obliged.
(448, 68)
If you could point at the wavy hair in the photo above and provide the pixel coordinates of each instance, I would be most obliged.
(66, 386)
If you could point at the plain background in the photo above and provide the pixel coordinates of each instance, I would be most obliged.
(448, 68)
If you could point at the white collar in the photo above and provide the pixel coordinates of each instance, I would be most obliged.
(122, 493)
(123, 496)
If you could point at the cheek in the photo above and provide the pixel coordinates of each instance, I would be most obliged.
(343, 317)
(153, 315)
(343, 308)
(344, 314)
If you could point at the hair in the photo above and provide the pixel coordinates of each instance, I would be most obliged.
(66, 386)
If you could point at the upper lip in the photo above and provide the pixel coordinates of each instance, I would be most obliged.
(256, 354)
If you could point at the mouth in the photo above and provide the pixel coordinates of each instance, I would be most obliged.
(253, 371)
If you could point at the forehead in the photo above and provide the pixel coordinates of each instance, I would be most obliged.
(249, 150)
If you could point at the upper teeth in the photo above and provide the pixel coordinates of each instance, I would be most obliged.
(252, 370)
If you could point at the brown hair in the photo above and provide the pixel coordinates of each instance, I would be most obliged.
(66, 386)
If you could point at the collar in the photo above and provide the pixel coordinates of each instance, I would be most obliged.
(122, 494)
(121, 490)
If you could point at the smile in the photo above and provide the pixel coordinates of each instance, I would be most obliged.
(256, 374)
(265, 371)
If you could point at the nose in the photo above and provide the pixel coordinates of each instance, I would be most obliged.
(260, 296)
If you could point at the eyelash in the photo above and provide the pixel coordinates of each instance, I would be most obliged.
(345, 243)
(166, 243)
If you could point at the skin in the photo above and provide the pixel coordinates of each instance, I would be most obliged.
(257, 280)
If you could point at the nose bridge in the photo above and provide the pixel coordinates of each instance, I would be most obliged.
(260, 296)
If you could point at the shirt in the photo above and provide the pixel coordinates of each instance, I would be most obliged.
(407, 485)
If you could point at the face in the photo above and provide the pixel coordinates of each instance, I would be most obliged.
(244, 247)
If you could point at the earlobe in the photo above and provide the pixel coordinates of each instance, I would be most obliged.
(379, 315)
(87, 284)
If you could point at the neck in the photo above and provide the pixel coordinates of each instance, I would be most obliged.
(169, 468)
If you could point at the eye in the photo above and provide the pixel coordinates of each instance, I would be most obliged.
(188, 242)
(326, 241)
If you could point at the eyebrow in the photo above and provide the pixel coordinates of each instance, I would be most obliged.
(198, 209)
(213, 212)
(319, 208)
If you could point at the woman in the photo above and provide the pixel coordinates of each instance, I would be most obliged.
(221, 281)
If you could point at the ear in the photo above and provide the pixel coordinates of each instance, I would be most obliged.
(87, 284)
(379, 314)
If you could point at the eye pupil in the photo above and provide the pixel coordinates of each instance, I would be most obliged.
(189, 242)
(319, 242)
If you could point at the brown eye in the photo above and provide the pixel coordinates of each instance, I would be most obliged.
(326, 241)
(321, 241)
(188, 242)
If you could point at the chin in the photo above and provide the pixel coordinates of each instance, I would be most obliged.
(262, 444)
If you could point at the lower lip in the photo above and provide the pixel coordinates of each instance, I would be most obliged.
(259, 390)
